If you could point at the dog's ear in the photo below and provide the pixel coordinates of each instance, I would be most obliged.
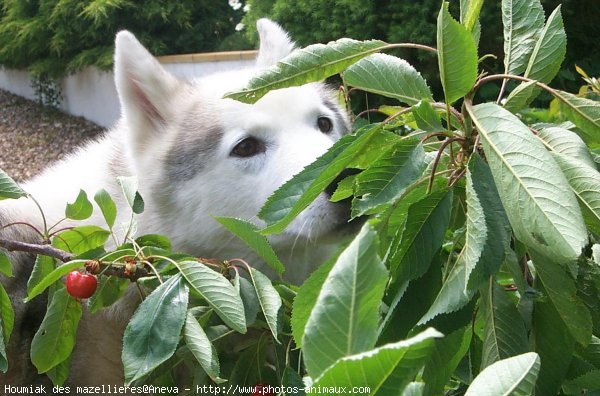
(145, 88)
(275, 43)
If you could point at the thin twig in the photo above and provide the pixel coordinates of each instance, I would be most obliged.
(43, 249)
(437, 160)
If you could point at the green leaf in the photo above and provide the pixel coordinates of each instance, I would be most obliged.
(110, 289)
(307, 296)
(523, 22)
(583, 112)
(389, 176)
(81, 209)
(55, 339)
(388, 76)
(129, 187)
(82, 239)
(3, 357)
(472, 14)
(384, 370)
(269, 299)
(152, 334)
(457, 56)
(566, 142)
(9, 189)
(154, 240)
(52, 277)
(527, 179)
(43, 266)
(554, 344)
(7, 315)
(445, 356)
(426, 117)
(549, 50)
(512, 376)
(201, 347)
(59, 373)
(422, 236)
(562, 293)
(5, 265)
(504, 330)
(313, 63)
(487, 238)
(296, 194)
(107, 207)
(248, 368)
(544, 62)
(217, 292)
(250, 234)
(585, 182)
(344, 320)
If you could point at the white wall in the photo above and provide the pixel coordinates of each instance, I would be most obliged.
(91, 93)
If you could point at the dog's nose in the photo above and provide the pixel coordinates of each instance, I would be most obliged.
(330, 189)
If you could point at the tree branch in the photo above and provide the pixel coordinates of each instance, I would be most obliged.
(46, 250)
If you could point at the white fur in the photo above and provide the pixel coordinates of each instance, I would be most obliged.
(162, 116)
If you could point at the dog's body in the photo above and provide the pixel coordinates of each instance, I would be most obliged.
(196, 155)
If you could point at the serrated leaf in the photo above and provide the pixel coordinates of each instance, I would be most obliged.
(81, 209)
(5, 265)
(389, 176)
(554, 344)
(487, 238)
(249, 298)
(201, 347)
(445, 356)
(472, 14)
(527, 179)
(566, 142)
(544, 62)
(504, 331)
(152, 334)
(306, 299)
(583, 112)
(313, 63)
(384, 370)
(79, 240)
(217, 292)
(344, 320)
(269, 299)
(109, 290)
(250, 234)
(426, 117)
(43, 266)
(457, 56)
(388, 76)
(55, 338)
(549, 50)
(52, 277)
(521, 96)
(411, 251)
(562, 293)
(585, 182)
(523, 21)
(296, 194)
(129, 187)
(59, 373)
(513, 376)
(107, 207)
(9, 189)
(7, 315)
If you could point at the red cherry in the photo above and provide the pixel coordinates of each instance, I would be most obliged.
(261, 390)
(81, 285)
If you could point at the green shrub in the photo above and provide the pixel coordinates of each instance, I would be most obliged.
(55, 37)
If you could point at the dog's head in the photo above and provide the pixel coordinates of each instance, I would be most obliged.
(199, 155)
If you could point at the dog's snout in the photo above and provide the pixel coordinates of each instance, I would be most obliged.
(330, 189)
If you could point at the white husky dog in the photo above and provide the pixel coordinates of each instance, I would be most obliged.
(196, 155)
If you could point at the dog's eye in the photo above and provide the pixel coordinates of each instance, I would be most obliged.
(248, 147)
(325, 125)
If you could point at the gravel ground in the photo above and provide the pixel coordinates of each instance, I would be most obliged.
(31, 139)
